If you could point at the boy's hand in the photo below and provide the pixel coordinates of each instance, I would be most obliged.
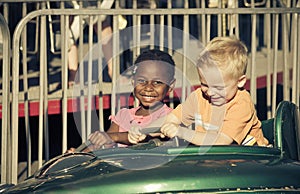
(135, 135)
(170, 126)
(169, 130)
(98, 139)
(71, 150)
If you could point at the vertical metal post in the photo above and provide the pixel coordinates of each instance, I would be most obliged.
(237, 26)
(26, 93)
(161, 32)
(170, 46)
(64, 76)
(114, 62)
(15, 106)
(116, 53)
(90, 66)
(295, 67)
(205, 30)
(275, 61)
(6, 11)
(269, 66)
(152, 26)
(285, 50)
(185, 42)
(5, 137)
(45, 91)
(134, 31)
(137, 37)
(100, 70)
(81, 80)
(219, 20)
(253, 56)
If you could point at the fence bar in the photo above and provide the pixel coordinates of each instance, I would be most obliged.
(294, 38)
(100, 67)
(298, 62)
(219, 19)
(114, 62)
(42, 78)
(15, 105)
(285, 48)
(269, 66)
(170, 47)
(64, 79)
(45, 91)
(152, 27)
(253, 56)
(237, 25)
(204, 25)
(275, 61)
(90, 64)
(81, 80)
(25, 84)
(5, 137)
(185, 40)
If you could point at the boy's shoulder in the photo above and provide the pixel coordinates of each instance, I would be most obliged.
(243, 99)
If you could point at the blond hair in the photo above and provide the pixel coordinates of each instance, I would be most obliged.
(227, 53)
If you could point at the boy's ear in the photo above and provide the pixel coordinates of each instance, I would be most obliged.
(172, 85)
(242, 81)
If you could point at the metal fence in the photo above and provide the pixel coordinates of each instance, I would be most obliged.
(41, 38)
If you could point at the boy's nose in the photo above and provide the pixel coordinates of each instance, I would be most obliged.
(149, 86)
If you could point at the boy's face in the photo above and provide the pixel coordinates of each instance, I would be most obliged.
(151, 83)
(218, 87)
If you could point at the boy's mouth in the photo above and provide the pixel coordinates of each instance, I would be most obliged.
(217, 101)
(146, 97)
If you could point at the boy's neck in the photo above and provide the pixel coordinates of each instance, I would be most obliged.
(147, 110)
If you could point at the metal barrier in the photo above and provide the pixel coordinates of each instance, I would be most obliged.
(5, 101)
(272, 57)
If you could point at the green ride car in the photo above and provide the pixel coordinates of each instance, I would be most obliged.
(177, 167)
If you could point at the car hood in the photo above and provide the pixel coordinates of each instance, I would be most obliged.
(183, 169)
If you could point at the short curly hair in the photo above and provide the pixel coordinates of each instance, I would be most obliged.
(157, 55)
(228, 53)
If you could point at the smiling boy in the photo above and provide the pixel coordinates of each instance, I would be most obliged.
(221, 109)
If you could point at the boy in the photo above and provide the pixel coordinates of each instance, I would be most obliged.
(221, 109)
(153, 79)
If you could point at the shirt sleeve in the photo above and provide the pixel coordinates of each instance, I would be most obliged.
(186, 111)
(123, 119)
(241, 119)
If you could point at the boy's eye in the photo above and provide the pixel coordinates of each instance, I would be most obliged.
(157, 83)
(141, 81)
(220, 87)
(204, 85)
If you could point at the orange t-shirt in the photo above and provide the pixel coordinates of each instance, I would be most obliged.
(239, 119)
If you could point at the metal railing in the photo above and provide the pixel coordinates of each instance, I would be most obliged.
(272, 38)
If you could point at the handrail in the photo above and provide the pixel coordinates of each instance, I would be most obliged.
(5, 135)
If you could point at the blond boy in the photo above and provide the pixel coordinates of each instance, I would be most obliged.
(221, 109)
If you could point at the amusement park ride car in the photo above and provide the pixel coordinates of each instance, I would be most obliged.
(176, 167)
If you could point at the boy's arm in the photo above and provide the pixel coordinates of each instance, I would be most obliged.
(204, 138)
(138, 134)
(171, 129)
(116, 136)
(119, 137)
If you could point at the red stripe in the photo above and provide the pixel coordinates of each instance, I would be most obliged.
(73, 105)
